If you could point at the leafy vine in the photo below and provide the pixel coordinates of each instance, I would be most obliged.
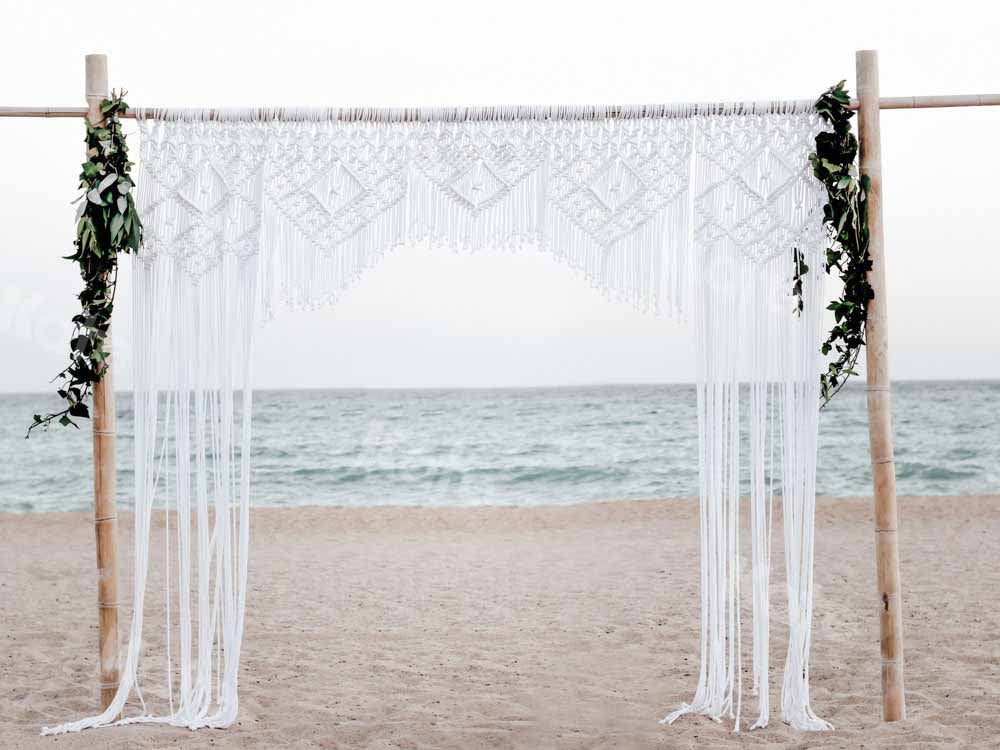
(846, 221)
(107, 224)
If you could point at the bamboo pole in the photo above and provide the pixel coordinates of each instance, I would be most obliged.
(897, 102)
(879, 402)
(103, 417)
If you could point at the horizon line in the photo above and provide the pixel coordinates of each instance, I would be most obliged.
(646, 384)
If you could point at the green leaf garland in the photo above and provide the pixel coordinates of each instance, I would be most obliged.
(846, 220)
(107, 224)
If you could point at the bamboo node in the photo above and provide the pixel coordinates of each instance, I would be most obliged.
(876, 461)
(106, 518)
(108, 605)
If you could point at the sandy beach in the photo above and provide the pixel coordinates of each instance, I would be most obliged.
(555, 627)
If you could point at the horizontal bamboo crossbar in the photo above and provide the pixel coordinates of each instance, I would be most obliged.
(935, 102)
(893, 102)
(43, 111)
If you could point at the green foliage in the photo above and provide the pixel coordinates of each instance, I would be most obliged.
(107, 224)
(846, 220)
(801, 269)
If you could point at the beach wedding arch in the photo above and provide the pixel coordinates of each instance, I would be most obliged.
(722, 214)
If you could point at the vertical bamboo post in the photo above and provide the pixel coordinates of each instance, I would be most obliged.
(879, 404)
(105, 512)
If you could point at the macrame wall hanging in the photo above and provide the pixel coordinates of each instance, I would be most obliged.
(690, 211)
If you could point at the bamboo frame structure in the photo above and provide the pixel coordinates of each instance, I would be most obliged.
(105, 510)
(868, 105)
(879, 400)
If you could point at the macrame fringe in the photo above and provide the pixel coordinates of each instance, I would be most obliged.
(686, 210)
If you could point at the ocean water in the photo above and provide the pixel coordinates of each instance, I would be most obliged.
(515, 446)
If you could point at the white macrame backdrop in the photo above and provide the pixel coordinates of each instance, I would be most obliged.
(692, 211)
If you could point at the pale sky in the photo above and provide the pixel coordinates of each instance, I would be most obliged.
(436, 319)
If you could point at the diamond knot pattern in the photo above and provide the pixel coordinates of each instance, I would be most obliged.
(336, 188)
(615, 184)
(479, 185)
(611, 183)
(333, 184)
(755, 193)
(201, 191)
(478, 164)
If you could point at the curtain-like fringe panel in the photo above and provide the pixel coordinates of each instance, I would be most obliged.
(192, 467)
(758, 390)
(771, 413)
(683, 213)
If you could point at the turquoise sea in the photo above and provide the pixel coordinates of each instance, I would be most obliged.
(527, 446)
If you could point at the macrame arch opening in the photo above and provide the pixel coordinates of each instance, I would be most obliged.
(690, 211)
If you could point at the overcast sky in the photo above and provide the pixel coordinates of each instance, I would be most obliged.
(436, 319)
